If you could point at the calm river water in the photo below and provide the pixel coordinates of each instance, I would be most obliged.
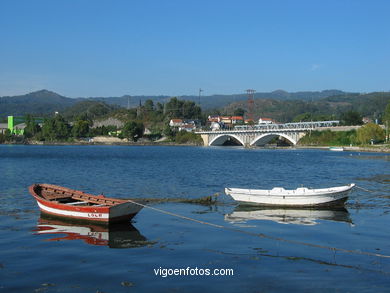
(268, 250)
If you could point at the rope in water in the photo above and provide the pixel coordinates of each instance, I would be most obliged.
(263, 235)
(363, 189)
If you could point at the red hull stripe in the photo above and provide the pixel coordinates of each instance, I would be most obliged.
(76, 214)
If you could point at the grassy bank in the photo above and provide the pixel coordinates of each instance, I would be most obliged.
(347, 139)
(329, 138)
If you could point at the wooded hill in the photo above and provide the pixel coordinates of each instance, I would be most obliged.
(371, 105)
(279, 105)
(47, 102)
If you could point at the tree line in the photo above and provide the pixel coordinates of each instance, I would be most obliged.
(77, 122)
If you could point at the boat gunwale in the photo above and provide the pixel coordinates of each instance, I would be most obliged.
(53, 203)
(290, 192)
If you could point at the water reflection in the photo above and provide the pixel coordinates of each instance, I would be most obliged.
(243, 214)
(119, 235)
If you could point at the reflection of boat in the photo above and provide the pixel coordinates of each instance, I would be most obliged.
(288, 216)
(336, 149)
(117, 235)
(65, 202)
(300, 197)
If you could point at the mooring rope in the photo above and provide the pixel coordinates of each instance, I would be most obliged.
(363, 189)
(262, 235)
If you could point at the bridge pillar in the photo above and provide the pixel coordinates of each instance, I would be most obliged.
(205, 138)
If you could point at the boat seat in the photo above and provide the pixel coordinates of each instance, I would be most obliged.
(77, 203)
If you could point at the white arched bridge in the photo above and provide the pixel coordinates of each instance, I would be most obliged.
(260, 135)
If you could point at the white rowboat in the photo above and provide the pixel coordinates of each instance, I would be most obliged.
(336, 149)
(300, 197)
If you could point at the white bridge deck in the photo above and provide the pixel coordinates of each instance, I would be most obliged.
(250, 135)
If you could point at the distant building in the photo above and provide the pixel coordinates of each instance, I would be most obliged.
(214, 119)
(195, 122)
(187, 127)
(176, 123)
(266, 121)
(226, 119)
(219, 122)
(187, 124)
(367, 120)
(237, 120)
(3, 127)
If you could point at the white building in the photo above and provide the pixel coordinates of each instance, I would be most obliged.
(176, 123)
(265, 121)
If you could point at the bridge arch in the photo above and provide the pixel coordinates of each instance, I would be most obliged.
(222, 138)
(266, 137)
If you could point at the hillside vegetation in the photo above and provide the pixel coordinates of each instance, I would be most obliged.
(371, 105)
(278, 105)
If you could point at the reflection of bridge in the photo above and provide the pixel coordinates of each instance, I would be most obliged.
(260, 135)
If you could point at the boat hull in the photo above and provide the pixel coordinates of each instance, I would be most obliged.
(106, 215)
(251, 197)
(125, 210)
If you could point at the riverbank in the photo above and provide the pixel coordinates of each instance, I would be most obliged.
(120, 142)
(86, 143)
(373, 149)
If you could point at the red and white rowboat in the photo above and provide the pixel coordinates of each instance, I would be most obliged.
(65, 202)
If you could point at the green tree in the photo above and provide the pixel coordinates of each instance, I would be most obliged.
(80, 128)
(149, 105)
(239, 112)
(6, 136)
(159, 108)
(351, 118)
(31, 128)
(188, 137)
(181, 109)
(304, 117)
(133, 130)
(370, 132)
(168, 132)
(386, 120)
(55, 128)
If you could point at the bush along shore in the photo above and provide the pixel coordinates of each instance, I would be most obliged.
(57, 130)
(370, 137)
(105, 140)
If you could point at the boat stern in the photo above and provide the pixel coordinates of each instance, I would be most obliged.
(124, 211)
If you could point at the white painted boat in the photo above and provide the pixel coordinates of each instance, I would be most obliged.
(300, 197)
(336, 149)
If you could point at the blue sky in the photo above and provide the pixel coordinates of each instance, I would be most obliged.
(82, 48)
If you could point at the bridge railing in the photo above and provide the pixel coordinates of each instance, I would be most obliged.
(285, 126)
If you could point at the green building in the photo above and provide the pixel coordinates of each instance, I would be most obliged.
(17, 129)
